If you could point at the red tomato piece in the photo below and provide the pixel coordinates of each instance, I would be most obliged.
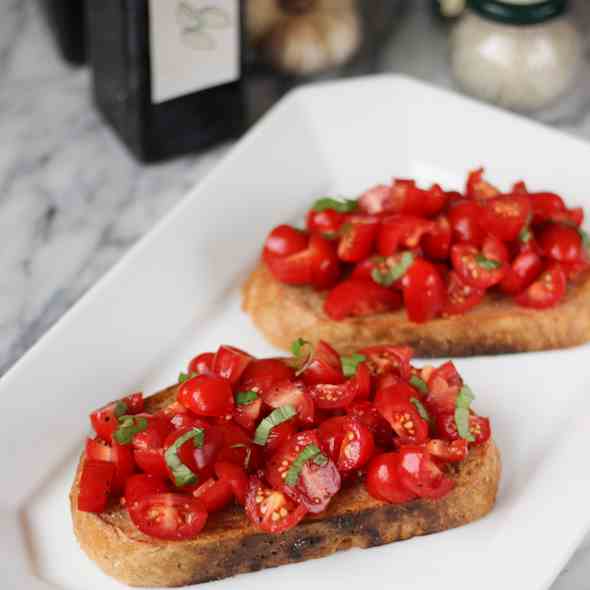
(247, 415)
(478, 426)
(231, 362)
(443, 450)
(140, 485)
(177, 415)
(324, 366)
(347, 441)
(325, 265)
(363, 380)
(360, 297)
(215, 494)
(316, 483)
(104, 420)
(95, 485)
(388, 359)
(461, 297)
(291, 393)
(327, 222)
(478, 188)
(505, 216)
(172, 517)
(263, 503)
(284, 240)
(206, 395)
(561, 243)
(395, 405)
(279, 435)
(548, 290)
(357, 238)
(368, 415)
(238, 447)
(480, 269)
(420, 474)
(401, 232)
(261, 374)
(148, 446)
(121, 456)
(546, 206)
(434, 201)
(437, 243)
(464, 219)
(202, 364)
(424, 291)
(444, 385)
(525, 268)
(384, 482)
(332, 397)
(235, 476)
(375, 200)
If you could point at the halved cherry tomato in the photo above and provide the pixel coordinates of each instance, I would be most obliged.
(401, 232)
(464, 219)
(545, 206)
(505, 216)
(270, 510)
(388, 359)
(358, 297)
(215, 494)
(561, 243)
(357, 238)
(420, 474)
(172, 517)
(148, 445)
(444, 384)
(349, 443)
(332, 397)
(246, 414)
(177, 415)
(478, 426)
(206, 395)
(437, 242)
(238, 447)
(478, 188)
(141, 484)
(433, 201)
(368, 415)
(261, 374)
(481, 269)
(395, 405)
(363, 381)
(405, 197)
(327, 222)
(284, 240)
(324, 366)
(443, 450)
(375, 200)
(291, 393)
(525, 268)
(384, 482)
(235, 476)
(279, 435)
(325, 265)
(316, 483)
(104, 420)
(548, 290)
(461, 297)
(202, 364)
(121, 456)
(424, 291)
(230, 362)
(95, 485)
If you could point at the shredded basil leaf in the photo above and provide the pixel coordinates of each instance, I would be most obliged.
(182, 474)
(303, 352)
(421, 409)
(308, 453)
(462, 406)
(186, 376)
(525, 235)
(418, 383)
(275, 418)
(298, 345)
(120, 409)
(245, 397)
(387, 278)
(341, 206)
(350, 363)
(487, 263)
(128, 427)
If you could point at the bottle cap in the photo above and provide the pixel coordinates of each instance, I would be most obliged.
(519, 12)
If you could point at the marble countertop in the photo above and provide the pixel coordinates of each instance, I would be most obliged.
(72, 201)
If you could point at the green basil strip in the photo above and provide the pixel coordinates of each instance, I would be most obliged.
(418, 383)
(248, 453)
(307, 454)
(275, 418)
(120, 409)
(303, 351)
(396, 272)
(487, 263)
(421, 409)
(585, 239)
(128, 427)
(341, 206)
(525, 235)
(186, 376)
(245, 397)
(462, 415)
(350, 363)
(182, 474)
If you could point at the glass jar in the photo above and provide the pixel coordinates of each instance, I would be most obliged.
(519, 54)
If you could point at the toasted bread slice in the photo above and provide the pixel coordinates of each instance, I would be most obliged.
(284, 313)
(231, 545)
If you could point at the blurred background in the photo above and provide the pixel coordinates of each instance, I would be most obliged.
(104, 126)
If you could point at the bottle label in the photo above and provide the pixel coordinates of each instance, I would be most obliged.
(194, 45)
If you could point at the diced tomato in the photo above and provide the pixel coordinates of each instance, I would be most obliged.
(235, 476)
(261, 374)
(464, 218)
(363, 382)
(401, 232)
(172, 517)
(141, 484)
(424, 291)
(316, 483)
(231, 362)
(247, 414)
(461, 297)
(375, 200)
(545, 206)
(420, 474)
(177, 415)
(443, 450)
(505, 216)
(357, 238)
(444, 384)
(202, 364)
(325, 266)
(561, 243)
(121, 456)
(104, 420)
(332, 397)
(95, 485)
(548, 290)
(479, 427)
(284, 240)
(480, 269)
(478, 188)
(215, 494)
(358, 297)
(148, 445)
(366, 413)
(396, 406)
(437, 242)
(206, 395)
(434, 201)
(324, 366)
(291, 393)
(384, 481)
(279, 435)
(388, 359)
(327, 222)
(525, 268)
(347, 441)
(270, 510)
(238, 447)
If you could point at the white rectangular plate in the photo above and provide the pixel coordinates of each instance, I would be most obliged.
(177, 293)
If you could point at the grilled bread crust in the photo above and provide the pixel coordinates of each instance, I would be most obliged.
(284, 313)
(231, 545)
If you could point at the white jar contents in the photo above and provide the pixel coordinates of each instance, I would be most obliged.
(521, 55)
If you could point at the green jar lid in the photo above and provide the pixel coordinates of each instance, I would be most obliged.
(521, 12)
